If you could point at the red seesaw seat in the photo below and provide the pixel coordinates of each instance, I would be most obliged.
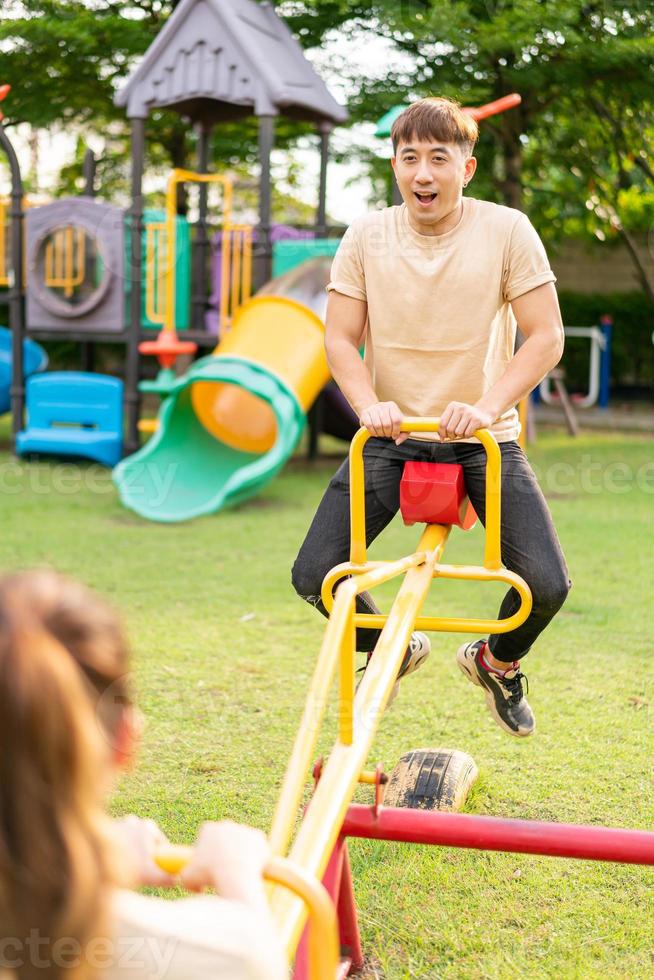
(435, 493)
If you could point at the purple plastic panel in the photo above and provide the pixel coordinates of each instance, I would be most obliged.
(278, 233)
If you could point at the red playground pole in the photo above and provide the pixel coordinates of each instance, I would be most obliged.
(338, 882)
(498, 834)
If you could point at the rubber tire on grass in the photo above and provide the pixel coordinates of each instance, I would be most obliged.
(431, 779)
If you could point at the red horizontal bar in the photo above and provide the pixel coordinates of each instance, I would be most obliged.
(498, 834)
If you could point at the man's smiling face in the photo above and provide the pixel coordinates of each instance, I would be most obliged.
(431, 176)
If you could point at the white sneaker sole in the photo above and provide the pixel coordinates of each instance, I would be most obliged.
(413, 666)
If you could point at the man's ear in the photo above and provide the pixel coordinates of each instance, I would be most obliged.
(470, 168)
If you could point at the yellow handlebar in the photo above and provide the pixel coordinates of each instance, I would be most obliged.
(174, 858)
(324, 947)
(492, 553)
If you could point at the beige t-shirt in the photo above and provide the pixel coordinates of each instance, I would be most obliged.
(440, 324)
(200, 938)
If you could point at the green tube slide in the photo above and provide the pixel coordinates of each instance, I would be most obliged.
(183, 471)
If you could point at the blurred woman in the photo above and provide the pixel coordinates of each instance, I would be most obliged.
(67, 725)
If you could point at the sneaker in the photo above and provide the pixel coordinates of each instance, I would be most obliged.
(506, 702)
(418, 651)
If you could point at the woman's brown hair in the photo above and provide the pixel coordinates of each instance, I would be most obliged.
(63, 690)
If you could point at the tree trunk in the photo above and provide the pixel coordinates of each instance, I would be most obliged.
(34, 147)
(511, 149)
(641, 272)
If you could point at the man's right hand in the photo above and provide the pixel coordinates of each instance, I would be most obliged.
(383, 419)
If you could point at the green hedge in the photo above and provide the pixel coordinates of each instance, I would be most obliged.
(632, 353)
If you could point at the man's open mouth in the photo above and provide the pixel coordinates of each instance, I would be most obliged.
(425, 197)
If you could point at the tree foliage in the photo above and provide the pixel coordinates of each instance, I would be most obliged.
(86, 50)
(553, 52)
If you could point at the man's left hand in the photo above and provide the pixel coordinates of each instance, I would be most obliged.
(461, 421)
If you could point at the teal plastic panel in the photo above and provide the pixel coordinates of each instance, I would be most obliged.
(290, 253)
(182, 267)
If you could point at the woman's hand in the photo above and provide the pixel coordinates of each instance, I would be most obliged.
(230, 858)
(140, 840)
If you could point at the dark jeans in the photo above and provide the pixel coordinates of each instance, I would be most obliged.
(530, 546)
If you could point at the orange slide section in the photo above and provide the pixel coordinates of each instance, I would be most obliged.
(276, 332)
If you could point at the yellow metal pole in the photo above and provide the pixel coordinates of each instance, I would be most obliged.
(357, 499)
(4, 241)
(225, 281)
(324, 817)
(4, 227)
(81, 257)
(69, 259)
(48, 264)
(247, 264)
(59, 257)
(155, 272)
(346, 679)
(150, 308)
(316, 702)
(171, 220)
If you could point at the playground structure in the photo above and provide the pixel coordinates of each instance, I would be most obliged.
(599, 378)
(598, 368)
(231, 422)
(76, 413)
(440, 778)
(599, 365)
(96, 274)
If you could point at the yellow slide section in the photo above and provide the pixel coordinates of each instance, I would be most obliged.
(286, 338)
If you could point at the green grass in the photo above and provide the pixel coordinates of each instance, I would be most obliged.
(224, 652)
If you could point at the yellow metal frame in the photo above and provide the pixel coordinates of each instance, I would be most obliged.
(4, 236)
(65, 254)
(359, 717)
(155, 274)
(236, 279)
(295, 882)
(324, 948)
(179, 176)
